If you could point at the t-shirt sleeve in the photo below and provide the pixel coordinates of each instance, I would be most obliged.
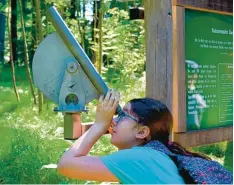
(123, 165)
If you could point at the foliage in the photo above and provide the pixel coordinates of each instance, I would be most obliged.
(123, 44)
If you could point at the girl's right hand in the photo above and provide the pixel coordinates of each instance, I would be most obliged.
(106, 109)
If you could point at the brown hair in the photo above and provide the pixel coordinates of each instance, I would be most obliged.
(157, 117)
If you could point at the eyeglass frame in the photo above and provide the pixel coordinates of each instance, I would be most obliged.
(123, 114)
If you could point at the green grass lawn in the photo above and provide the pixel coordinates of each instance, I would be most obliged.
(29, 140)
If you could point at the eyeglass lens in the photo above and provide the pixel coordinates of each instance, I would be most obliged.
(120, 116)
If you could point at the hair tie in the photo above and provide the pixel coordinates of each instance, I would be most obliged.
(169, 143)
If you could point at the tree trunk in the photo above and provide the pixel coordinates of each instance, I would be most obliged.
(2, 34)
(24, 6)
(81, 32)
(33, 32)
(47, 21)
(11, 55)
(83, 9)
(95, 27)
(73, 9)
(100, 21)
(38, 21)
(26, 62)
(14, 29)
(85, 41)
(46, 100)
(40, 38)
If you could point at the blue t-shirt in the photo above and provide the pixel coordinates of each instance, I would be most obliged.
(142, 165)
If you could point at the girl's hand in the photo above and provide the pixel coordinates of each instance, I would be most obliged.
(106, 109)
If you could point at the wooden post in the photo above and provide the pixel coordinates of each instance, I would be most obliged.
(158, 25)
(72, 126)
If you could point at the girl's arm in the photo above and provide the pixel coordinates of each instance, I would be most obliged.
(75, 163)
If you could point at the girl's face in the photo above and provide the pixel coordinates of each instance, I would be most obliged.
(125, 129)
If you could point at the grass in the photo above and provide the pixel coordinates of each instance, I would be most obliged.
(30, 140)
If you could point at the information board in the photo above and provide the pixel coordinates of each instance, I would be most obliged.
(209, 69)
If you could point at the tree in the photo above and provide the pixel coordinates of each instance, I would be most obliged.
(100, 21)
(96, 6)
(26, 62)
(14, 29)
(11, 52)
(2, 30)
(40, 38)
(80, 29)
(73, 9)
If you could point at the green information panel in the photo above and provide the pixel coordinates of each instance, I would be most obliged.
(209, 69)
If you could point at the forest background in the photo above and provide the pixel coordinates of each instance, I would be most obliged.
(31, 133)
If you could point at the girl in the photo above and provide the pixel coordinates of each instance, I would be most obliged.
(141, 121)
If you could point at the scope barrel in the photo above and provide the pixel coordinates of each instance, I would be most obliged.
(77, 51)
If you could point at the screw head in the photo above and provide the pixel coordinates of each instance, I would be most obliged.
(72, 67)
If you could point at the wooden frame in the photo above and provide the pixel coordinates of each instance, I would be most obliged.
(215, 6)
(204, 137)
(179, 90)
(180, 134)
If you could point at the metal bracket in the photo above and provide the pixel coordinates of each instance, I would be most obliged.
(72, 92)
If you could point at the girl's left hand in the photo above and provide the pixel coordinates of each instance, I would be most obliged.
(106, 109)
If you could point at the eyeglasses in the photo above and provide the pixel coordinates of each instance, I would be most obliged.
(122, 115)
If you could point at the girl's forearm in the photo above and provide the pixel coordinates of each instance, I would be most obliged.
(83, 145)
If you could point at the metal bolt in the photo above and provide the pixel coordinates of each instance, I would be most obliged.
(72, 67)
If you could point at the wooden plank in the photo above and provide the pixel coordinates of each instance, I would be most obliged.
(204, 137)
(158, 28)
(215, 5)
(179, 90)
(207, 10)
